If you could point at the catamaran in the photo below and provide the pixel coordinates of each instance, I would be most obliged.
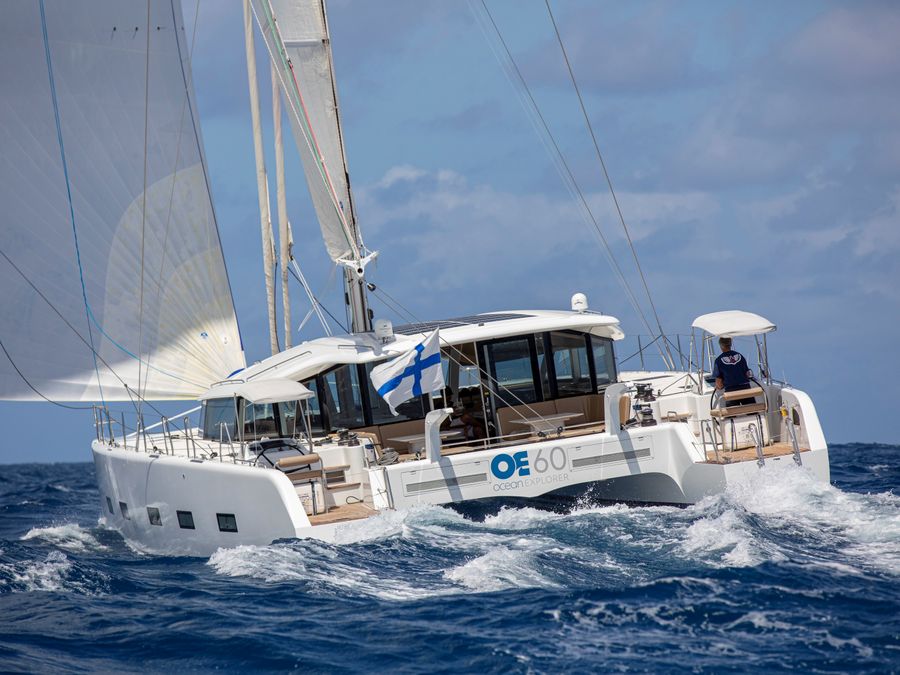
(115, 289)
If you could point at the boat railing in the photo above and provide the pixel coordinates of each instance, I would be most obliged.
(708, 429)
(646, 352)
(167, 436)
(756, 435)
(520, 437)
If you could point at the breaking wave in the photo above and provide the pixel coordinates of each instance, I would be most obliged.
(779, 571)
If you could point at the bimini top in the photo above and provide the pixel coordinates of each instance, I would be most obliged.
(272, 390)
(733, 323)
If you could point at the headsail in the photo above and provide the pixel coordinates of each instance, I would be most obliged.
(111, 268)
(301, 52)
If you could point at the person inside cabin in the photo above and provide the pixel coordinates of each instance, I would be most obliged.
(471, 414)
(731, 371)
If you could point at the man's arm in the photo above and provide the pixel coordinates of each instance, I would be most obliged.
(720, 383)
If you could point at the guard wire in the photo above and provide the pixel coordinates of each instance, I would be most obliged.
(612, 192)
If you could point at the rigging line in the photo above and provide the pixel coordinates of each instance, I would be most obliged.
(333, 318)
(568, 177)
(65, 167)
(305, 124)
(545, 134)
(69, 325)
(200, 154)
(165, 243)
(144, 206)
(314, 301)
(485, 374)
(612, 192)
(35, 389)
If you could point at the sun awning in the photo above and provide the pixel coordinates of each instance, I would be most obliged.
(276, 390)
(733, 323)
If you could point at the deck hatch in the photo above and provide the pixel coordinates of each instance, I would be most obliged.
(441, 483)
(595, 460)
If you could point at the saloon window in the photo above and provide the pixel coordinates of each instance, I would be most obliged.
(543, 366)
(342, 397)
(216, 412)
(413, 409)
(570, 363)
(316, 419)
(511, 368)
(604, 361)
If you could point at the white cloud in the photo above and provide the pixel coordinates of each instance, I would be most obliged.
(397, 174)
(880, 235)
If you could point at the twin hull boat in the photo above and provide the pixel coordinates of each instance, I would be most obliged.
(534, 410)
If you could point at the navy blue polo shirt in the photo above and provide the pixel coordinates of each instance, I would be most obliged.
(732, 368)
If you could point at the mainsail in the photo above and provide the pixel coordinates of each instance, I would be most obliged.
(111, 269)
(296, 35)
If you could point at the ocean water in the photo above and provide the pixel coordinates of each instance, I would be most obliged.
(778, 574)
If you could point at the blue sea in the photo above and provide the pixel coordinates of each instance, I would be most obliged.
(781, 573)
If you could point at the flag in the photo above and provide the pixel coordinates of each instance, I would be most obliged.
(416, 372)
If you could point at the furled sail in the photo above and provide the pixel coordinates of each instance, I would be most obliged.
(296, 35)
(112, 276)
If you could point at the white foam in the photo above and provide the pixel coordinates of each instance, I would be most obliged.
(70, 537)
(500, 569)
(724, 536)
(761, 620)
(866, 527)
(46, 575)
(304, 563)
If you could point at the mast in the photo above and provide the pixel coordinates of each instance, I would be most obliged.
(284, 237)
(297, 36)
(356, 295)
(262, 184)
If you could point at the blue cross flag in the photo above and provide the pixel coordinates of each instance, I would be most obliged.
(416, 372)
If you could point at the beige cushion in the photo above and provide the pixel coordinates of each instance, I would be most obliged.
(742, 393)
(736, 410)
(294, 462)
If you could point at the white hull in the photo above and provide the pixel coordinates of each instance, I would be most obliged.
(659, 464)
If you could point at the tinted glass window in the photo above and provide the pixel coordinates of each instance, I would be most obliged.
(259, 420)
(153, 515)
(312, 404)
(510, 363)
(543, 370)
(219, 411)
(185, 520)
(604, 362)
(570, 360)
(342, 398)
(123, 507)
(413, 409)
(227, 522)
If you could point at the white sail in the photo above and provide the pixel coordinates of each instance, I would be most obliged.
(296, 36)
(111, 269)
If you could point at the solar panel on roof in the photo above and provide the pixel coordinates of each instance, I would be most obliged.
(428, 326)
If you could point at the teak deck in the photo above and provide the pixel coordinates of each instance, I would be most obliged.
(749, 454)
(345, 512)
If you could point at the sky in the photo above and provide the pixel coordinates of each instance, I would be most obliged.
(754, 149)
